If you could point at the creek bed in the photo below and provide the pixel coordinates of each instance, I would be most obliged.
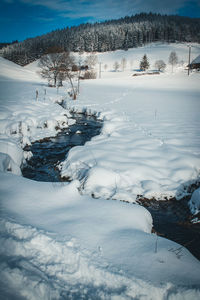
(170, 218)
(48, 153)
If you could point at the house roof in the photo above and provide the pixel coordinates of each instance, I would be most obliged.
(196, 60)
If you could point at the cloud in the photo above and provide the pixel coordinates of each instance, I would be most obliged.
(110, 9)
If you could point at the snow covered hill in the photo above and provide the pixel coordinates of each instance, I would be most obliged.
(10, 70)
(58, 243)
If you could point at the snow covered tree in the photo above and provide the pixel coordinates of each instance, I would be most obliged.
(144, 64)
(105, 67)
(50, 66)
(160, 65)
(123, 63)
(116, 66)
(173, 59)
(91, 61)
(57, 67)
(124, 33)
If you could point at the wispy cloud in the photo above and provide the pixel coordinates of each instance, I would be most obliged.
(44, 19)
(99, 10)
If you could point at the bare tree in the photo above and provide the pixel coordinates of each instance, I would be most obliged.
(80, 62)
(116, 66)
(160, 65)
(173, 59)
(123, 64)
(91, 61)
(58, 67)
(50, 66)
(66, 68)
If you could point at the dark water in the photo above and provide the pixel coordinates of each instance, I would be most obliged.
(170, 217)
(171, 220)
(47, 154)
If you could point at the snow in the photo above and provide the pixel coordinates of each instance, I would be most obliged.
(77, 243)
(195, 202)
(10, 70)
(58, 242)
(23, 117)
(154, 52)
(196, 60)
(150, 140)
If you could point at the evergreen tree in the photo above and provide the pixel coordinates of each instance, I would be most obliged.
(144, 64)
(125, 33)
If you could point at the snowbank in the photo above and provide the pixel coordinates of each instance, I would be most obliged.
(56, 243)
(194, 203)
(24, 118)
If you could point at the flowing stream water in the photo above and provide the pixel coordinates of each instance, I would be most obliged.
(170, 218)
(48, 153)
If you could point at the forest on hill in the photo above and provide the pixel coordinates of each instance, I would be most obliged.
(124, 33)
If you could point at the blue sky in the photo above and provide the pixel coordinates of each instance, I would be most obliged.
(20, 19)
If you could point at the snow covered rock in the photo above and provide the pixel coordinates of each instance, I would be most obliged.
(194, 203)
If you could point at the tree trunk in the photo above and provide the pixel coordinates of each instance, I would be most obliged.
(72, 86)
(54, 80)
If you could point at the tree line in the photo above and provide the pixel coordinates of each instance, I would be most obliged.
(124, 33)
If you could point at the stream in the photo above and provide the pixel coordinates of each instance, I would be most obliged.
(48, 153)
(170, 218)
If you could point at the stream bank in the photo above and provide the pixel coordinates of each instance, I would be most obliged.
(171, 218)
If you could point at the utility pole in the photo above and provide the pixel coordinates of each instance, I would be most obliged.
(189, 60)
(36, 95)
(100, 70)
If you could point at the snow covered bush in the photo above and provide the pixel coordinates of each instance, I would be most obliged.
(90, 75)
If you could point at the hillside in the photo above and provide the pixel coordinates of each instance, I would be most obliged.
(110, 35)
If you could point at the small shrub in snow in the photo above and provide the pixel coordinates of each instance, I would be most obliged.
(90, 75)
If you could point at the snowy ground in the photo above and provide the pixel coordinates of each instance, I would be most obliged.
(59, 244)
(150, 144)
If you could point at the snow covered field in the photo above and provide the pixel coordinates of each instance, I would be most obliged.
(150, 144)
(57, 242)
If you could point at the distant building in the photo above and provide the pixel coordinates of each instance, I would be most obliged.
(195, 64)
